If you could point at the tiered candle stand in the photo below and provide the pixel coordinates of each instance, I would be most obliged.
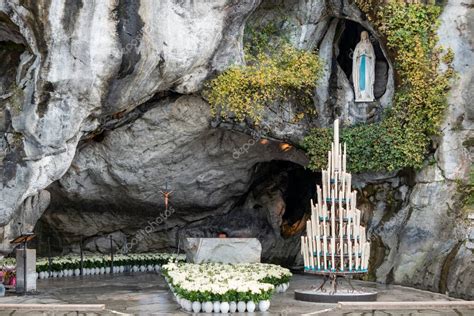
(335, 245)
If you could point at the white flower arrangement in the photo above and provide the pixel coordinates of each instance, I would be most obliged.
(69, 265)
(247, 283)
(8, 263)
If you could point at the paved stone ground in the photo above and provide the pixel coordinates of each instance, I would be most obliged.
(148, 294)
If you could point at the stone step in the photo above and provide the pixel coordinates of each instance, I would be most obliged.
(53, 307)
(405, 305)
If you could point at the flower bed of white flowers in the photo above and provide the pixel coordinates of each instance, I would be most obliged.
(218, 287)
(67, 266)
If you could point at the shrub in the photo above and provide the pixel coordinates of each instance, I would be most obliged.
(273, 73)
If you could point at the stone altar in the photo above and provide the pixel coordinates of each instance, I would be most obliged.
(225, 250)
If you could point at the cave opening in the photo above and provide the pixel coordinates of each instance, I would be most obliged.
(348, 37)
(295, 186)
(300, 189)
(10, 53)
(12, 46)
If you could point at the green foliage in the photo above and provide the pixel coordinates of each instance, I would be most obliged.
(74, 262)
(274, 72)
(403, 137)
(369, 147)
(316, 145)
(276, 280)
(266, 38)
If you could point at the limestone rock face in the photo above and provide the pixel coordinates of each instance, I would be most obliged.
(420, 223)
(171, 143)
(437, 226)
(25, 218)
(83, 61)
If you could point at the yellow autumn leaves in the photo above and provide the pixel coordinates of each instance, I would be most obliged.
(244, 91)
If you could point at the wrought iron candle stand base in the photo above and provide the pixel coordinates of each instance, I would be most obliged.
(336, 293)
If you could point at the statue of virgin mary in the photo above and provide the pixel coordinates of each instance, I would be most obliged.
(363, 69)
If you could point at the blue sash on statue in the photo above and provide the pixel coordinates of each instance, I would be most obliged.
(362, 73)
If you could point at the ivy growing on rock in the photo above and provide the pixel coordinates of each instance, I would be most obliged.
(423, 73)
(274, 71)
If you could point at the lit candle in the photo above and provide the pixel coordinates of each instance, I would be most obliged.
(324, 221)
(303, 251)
(313, 214)
(330, 161)
(336, 132)
(341, 232)
(333, 250)
(324, 175)
(357, 248)
(320, 202)
(315, 221)
(349, 252)
(308, 229)
(357, 223)
(328, 187)
(348, 187)
(318, 251)
(362, 260)
(325, 251)
(333, 215)
(339, 158)
(333, 160)
(354, 230)
(341, 210)
(307, 252)
(355, 201)
(344, 159)
(343, 185)
(341, 258)
(367, 256)
(348, 227)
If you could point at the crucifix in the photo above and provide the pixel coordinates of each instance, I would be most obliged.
(166, 195)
